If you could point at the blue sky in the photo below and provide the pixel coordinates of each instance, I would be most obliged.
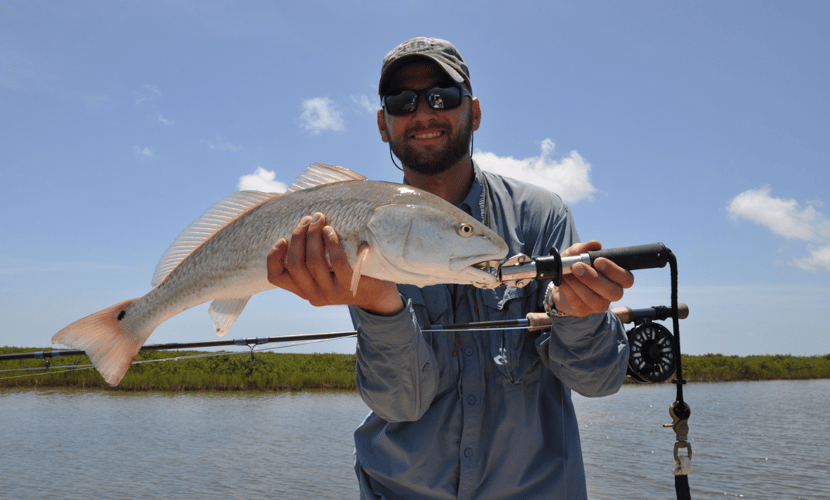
(702, 125)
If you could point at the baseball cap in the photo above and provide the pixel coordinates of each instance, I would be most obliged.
(440, 51)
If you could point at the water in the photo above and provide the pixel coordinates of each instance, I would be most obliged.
(755, 440)
(761, 440)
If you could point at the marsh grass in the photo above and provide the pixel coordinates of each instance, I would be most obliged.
(267, 371)
(718, 368)
(295, 372)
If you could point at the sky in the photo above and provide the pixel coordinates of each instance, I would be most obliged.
(701, 125)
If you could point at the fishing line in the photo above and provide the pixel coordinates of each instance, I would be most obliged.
(44, 368)
(56, 370)
(438, 328)
(49, 371)
(274, 348)
(194, 356)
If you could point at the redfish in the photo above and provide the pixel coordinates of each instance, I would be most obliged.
(412, 237)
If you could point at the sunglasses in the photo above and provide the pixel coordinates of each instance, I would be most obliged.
(406, 102)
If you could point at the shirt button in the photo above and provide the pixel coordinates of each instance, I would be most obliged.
(468, 452)
(468, 351)
(471, 400)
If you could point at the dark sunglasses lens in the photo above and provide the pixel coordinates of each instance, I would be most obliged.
(448, 98)
(407, 101)
(401, 104)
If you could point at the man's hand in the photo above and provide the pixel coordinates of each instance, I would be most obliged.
(589, 290)
(300, 266)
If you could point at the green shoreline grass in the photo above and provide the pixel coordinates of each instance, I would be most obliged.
(296, 372)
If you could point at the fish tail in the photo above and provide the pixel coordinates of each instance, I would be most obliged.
(111, 347)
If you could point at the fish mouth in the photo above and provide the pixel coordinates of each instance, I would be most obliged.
(493, 264)
(479, 275)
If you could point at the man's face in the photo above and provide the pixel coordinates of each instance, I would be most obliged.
(428, 141)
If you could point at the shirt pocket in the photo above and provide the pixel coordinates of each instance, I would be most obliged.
(433, 309)
(513, 353)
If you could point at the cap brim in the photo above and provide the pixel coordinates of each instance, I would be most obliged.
(397, 64)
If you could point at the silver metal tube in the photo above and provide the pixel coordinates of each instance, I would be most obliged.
(519, 273)
(567, 262)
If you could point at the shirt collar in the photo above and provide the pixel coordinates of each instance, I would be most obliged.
(474, 203)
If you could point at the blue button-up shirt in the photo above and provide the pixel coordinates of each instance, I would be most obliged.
(483, 414)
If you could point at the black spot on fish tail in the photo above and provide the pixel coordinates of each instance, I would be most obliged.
(121, 315)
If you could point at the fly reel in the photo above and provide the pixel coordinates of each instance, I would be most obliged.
(651, 353)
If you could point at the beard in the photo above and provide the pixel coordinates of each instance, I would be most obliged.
(437, 161)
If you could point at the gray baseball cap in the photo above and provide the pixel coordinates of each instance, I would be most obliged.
(440, 51)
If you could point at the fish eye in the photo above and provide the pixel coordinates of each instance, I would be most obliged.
(465, 230)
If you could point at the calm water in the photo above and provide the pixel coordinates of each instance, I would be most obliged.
(762, 440)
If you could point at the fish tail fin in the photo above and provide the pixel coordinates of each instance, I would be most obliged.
(111, 347)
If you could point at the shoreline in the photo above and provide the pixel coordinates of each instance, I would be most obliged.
(186, 371)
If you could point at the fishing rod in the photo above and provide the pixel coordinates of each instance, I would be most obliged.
(249, 341)
(533, 321)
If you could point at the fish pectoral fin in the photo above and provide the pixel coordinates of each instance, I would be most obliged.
(223, 312)
(362, 255)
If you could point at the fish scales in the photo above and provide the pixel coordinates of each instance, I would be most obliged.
(245, 242)
(412, 237)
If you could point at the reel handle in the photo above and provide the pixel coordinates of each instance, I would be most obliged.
(658, 313)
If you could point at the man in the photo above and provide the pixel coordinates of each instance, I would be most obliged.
(484, 414)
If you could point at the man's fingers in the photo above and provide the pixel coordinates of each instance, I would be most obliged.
(614, 273)
(583, 292)
(315, 257)
(275, 262)
(277, 274)
(337, 255)
(580, 248)
(295, 256)
(593, 285)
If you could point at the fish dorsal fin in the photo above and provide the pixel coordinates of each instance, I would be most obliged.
(320, 173)
(202, 229)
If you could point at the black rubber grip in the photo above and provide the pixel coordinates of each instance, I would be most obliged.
(636, 257)
(549, 268)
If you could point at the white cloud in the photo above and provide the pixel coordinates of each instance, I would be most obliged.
(261, 180)
(364, 102)
(320, 114)
(148, 93)
(222, 145)
(145, 151)
(783, 217)
(819, 257)
(165, 121)
(786, 218)
(569, 177)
